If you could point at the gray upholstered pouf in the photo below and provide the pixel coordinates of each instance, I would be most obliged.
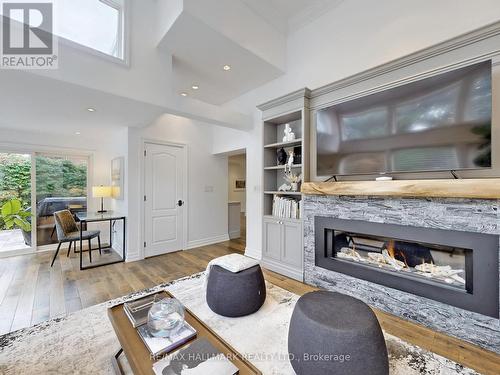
(235, 294)
(331, 333)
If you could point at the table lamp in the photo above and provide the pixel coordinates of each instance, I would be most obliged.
(101, 192)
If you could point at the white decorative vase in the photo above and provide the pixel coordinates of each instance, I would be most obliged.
(295, 186)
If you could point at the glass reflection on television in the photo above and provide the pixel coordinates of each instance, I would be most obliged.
(434, 124)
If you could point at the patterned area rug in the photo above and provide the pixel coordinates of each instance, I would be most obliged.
(83, 342)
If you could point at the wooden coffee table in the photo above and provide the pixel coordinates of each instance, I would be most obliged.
(139, 356)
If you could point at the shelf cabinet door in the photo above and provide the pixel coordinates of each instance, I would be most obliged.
(272, 239)
(291, 252)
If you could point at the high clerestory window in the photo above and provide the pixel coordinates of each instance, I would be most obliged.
(96, 24)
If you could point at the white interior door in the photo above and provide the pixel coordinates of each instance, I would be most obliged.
(164, 198)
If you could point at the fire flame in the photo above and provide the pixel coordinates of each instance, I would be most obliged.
(391, 250)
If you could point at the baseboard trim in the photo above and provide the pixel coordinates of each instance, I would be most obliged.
(252, 253)
(235, 234)
(133, 257)
(283, 270)
(207, 241)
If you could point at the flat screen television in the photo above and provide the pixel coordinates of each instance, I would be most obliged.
(440, 123)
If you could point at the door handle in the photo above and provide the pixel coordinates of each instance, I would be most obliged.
(180, 203)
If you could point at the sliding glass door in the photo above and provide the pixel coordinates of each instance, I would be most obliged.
(32, 187)
(16, 234)
(61, 183)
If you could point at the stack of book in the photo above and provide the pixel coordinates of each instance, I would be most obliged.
(161, 345)
(285, 207)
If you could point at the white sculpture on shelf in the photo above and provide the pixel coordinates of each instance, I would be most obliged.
(289, 135)
(293, 179)
(285, 187)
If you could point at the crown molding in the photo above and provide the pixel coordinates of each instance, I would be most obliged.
(299, 94)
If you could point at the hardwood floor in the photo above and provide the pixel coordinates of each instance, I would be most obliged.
(31, 291)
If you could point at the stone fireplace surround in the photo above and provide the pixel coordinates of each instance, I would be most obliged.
(468, 215)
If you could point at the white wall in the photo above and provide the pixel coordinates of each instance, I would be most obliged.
(236, 21)
(361, 34)
(207, 181)
(119, 148)
(148, 75)
(145, 79)
(227, 140)
(355, 36)
(237, 170)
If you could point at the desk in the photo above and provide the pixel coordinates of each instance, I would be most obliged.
(93, 217)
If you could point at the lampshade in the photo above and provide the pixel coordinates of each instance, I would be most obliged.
(101, 191)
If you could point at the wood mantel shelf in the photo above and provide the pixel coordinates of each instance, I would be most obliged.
(488, 188)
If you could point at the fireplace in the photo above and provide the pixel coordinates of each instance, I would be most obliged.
(447, 265)
(454, 267)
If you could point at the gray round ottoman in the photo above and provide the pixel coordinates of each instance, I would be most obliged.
(235, 294)
(331, 333)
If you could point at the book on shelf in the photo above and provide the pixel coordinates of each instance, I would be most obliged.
(137, 310)
(286, 207)
(198, 358)
(161, 345)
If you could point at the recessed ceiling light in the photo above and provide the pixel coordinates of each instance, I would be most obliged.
(91, 109)
(195, 87)
(78, 133)
(226, 67)
(184, 94)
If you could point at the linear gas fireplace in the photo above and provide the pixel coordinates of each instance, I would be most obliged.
(454, 267)
(441, 264)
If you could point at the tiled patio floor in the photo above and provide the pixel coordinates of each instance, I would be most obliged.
(11, 240)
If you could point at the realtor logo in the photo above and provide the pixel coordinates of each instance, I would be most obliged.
(28, 41)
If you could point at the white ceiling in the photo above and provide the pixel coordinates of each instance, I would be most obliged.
(249, 40)
(248, 35)
(32, 102)
(290, 15)
(199, 54)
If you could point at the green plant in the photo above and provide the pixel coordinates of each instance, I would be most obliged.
(14, 216)
(15, 177)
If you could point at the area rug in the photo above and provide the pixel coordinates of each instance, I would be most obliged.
(83, 342)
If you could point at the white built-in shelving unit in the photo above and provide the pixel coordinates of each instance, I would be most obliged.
(282, 237)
